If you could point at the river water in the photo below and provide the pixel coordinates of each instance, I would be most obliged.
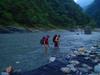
(24, 52)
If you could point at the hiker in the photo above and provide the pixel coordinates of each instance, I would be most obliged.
(8, 71)
(46, 43)
(56, 40)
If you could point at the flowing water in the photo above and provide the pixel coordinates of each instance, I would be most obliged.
(24, 52)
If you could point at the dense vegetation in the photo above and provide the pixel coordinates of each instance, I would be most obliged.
(94, 11)
(42, 14)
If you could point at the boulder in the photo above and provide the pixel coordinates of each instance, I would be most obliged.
(97, 68)
(52, 59)
(65, 69)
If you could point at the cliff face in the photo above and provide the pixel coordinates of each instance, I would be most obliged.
(94, 11)
(42, 13)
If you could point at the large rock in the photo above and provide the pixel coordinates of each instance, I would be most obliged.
(87, 30)
(65, 69)
(52, 59)
(97, 68)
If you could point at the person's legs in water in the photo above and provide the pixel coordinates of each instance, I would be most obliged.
(56, 45)
(46, 49)
(46, 44)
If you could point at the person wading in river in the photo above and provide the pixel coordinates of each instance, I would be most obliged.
(46, 43)
(56, 41)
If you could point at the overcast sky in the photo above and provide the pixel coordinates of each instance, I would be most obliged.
(84, 3)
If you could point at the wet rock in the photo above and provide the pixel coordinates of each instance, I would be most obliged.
(85, 70)
(92, 55)
(82, 49)
(93, 48)
(97, 68)
(96, 60)
(72, 68)
(86, 54)
(74, 62)
(86, 66)
(88, 51)
(86, 58)
(96, 45)
(73, 55)
(52, 59)
(78, 73)
(81, 53)
(65, 69)
(76, 52)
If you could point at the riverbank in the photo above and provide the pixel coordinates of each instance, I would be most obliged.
(5, 30)
(11, 29)
(97, 29)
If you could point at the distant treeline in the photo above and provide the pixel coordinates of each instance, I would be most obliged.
(43, 14)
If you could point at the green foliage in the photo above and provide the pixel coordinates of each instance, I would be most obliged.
(94, 12)
(42, 13)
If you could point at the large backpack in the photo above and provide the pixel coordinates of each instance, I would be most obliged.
(42, 41)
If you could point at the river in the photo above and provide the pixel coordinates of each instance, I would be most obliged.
(24, 52)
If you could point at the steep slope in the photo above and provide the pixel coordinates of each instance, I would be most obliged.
(42, 13)
(94, 11)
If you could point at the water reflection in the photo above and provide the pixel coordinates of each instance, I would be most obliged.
(55, 51)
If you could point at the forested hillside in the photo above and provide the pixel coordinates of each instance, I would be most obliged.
(94, 11)
(42, 14)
